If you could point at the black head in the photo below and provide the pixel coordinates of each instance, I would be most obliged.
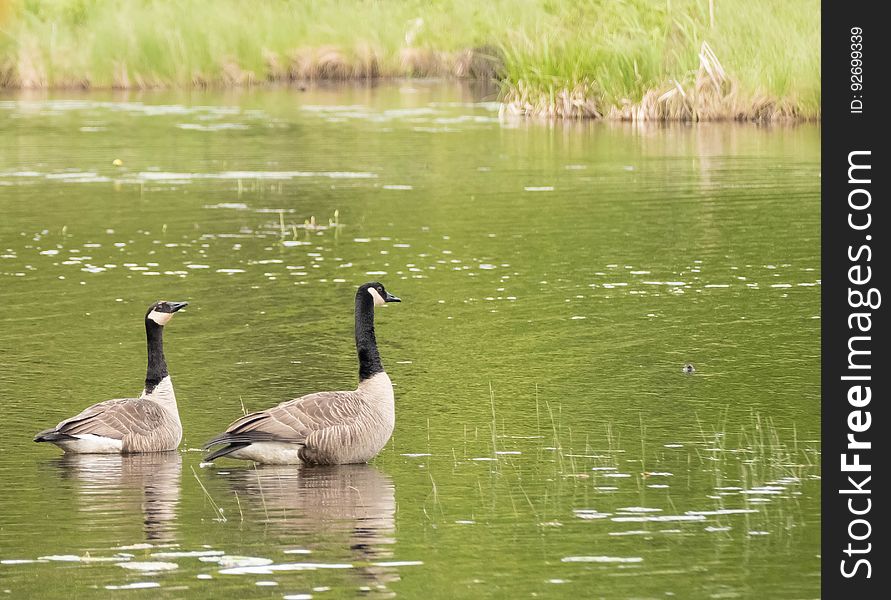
(377, 292)
(162, 311)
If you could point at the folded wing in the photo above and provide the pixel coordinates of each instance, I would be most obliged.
(292, 421)
(113, 419)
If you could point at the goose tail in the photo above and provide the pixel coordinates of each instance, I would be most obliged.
(228, 449)
(51, 435)
(232, 442)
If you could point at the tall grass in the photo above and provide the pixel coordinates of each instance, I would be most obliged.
(613, 54)
(561, 57)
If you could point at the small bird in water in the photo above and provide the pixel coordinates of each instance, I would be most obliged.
(689, 369)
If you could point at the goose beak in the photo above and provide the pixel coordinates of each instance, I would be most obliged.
(178, 305)
(391, 298)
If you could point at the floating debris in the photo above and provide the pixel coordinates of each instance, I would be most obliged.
(140, 585)
(243, 561)
(83, 559)
(20, 561)
(602, 559)
(590, 514)
(769, 490)
(212, 127)
(232, 205)
(149, 566)
(659, 518)
(188, 554)
(140, 546)
(723, 511)
(271, 568)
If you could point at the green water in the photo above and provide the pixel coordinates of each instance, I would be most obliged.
(555, 279)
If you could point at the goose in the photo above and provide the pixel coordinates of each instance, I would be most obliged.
(324, 428)
(149, 423)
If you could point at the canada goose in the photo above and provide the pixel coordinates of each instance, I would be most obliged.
(149, 423)
(327, 427)
(689, 369)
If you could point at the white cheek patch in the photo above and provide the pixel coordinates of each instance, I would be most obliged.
(159, 317)
(378, 300)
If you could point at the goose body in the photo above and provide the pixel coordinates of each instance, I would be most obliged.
(326, 427)
(149, 423)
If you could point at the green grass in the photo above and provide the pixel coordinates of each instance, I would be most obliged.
(560, 57)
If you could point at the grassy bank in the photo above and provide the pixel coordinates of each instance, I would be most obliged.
(629, 59)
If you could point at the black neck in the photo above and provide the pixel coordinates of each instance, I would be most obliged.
(157, 366)
(366, 344)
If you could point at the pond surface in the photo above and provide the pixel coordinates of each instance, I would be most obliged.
(555, 279)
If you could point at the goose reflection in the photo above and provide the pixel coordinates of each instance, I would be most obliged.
(339, 509)
(113, 487)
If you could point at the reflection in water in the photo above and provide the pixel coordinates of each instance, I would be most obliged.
(115, 484)
(352, 507)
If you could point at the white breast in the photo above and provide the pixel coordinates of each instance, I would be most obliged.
(163, 395)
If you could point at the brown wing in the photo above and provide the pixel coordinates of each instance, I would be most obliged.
(115, 419)
(294, 420)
